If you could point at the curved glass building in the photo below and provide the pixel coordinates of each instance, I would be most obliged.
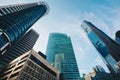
(61, 55)
(109, 50)
(15, 20)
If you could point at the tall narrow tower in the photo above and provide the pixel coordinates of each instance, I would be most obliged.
(15, 20)
(61, 55)
(108, 49)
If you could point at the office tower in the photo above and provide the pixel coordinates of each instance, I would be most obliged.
(15, 20)
(108, 49)
(30, 66)
(61, 55)
(117, 37)
(23, 45)
(98, 74)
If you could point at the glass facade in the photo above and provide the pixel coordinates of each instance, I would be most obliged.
(15, 20)
(61, 55)
(109, 50)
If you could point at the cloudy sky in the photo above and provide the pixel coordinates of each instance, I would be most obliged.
(66, 16)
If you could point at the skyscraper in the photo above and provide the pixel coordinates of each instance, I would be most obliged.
(15, 20)
(61, 55)
(23, 45)
(108, 49)
(117, 37)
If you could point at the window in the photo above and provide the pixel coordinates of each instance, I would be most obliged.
(3, 11)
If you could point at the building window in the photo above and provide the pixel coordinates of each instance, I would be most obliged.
(3, 12)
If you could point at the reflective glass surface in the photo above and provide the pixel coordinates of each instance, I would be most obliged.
(61, 55)
(109, 50)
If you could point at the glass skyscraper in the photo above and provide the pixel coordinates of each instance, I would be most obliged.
(15, 20)
(109, 50)
(23, 45)
(61, 55)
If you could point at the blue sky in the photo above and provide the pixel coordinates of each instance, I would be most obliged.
(66, 16)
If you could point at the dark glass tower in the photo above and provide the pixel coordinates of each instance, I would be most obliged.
(61, 55)
(23, 45)
(117, 38)
(109, 50)
(15, 20)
